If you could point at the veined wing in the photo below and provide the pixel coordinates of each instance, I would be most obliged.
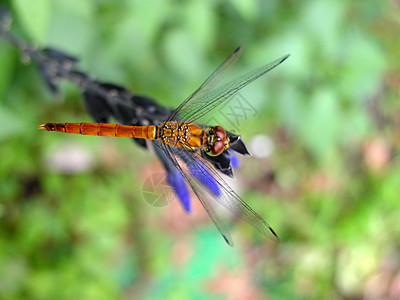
(210, 82)
(227, 198)
(201, 193)
(202, 102)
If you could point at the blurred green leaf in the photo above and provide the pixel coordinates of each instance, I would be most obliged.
(181, 54)
(35, 17)
(320, 127)
(7, 63)
(11, 123)
(247, 9)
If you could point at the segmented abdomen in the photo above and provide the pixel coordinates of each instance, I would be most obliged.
(103, 129)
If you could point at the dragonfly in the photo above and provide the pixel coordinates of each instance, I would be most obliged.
(183, 142)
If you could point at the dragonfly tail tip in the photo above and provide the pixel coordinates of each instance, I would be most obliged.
(42, 126)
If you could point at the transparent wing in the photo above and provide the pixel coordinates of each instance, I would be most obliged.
(205, 99)
(228, 198)
(201, 193)
(210, 82)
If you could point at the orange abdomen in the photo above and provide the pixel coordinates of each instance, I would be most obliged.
(103, 129)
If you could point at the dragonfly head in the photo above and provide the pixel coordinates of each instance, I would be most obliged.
(217, 141)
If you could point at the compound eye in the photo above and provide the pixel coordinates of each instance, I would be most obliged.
(220, 132)
(217, 148)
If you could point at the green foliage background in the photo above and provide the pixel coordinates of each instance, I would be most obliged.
(330, 189)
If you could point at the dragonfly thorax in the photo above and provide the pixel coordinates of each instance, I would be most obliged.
(217, 141)
(191, 136)
(176, 134)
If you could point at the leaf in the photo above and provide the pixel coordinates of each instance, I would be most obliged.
(35, 17)
(10, 123)
(247, 9)
(320, 127)
(6, 67)
(201, 23)
(181, 54)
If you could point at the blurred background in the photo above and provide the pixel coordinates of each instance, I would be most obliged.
(324, 130)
